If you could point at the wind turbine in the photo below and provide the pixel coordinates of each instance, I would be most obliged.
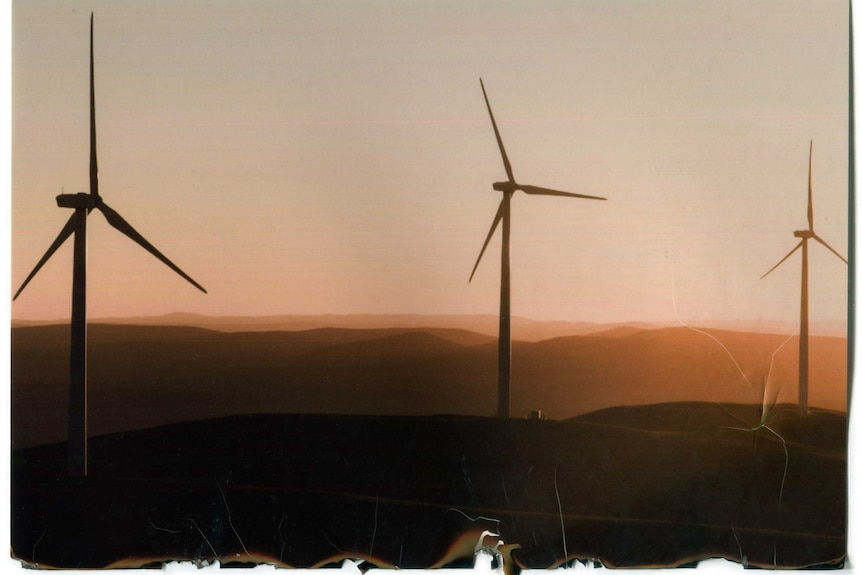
(509, 187)
(805, 235)
(83, 204)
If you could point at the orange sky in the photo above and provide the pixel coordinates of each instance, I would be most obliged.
(306, 157)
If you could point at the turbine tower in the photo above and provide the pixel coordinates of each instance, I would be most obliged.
(83, 204)
(509, 187)
(804, 236)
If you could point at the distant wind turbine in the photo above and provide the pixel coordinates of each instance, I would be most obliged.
(805, 235)
(83, 204)
(508, 188)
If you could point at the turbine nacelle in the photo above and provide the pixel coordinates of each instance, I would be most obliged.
(805, 234)
(80, 200)
(510, 187)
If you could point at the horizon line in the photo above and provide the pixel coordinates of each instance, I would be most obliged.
(832, 324)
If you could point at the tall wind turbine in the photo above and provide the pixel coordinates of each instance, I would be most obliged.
(509, 187)
(83, 204)
(805, 235)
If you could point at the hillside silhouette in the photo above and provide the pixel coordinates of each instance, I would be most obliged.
(661, 485)
(143, 376)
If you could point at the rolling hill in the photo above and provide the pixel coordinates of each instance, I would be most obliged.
(143, 376)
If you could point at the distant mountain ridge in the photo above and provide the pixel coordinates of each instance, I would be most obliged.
(523, 329)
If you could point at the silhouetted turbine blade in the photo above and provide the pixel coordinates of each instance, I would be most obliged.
(67, 231)
(828, 247)
(117, 221)
(810, 203)
(94, 167)
(494, 225)
(548, 192)
(506, 163)
(799, 245)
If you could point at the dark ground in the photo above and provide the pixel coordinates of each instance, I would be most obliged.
(666, 485)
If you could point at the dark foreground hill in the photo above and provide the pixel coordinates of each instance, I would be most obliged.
(144, 376)
(662, 485)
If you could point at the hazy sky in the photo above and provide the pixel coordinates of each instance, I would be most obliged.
(337, 157)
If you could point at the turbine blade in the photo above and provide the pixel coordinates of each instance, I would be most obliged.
(548, 192)
(94, 167)
(494, 225)
(799, 245)
(117, 221)
(67, 231)
(828, 247)
(810, 203)
(506, 163)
